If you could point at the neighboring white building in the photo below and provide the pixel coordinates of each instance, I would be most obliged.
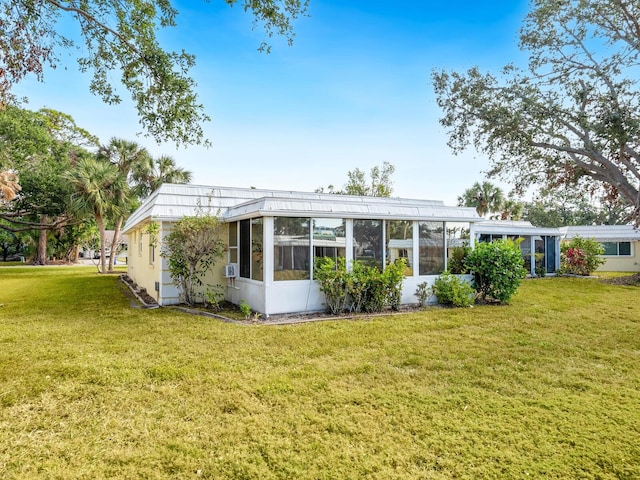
(621, 245)
(273, 238)
(540, 246)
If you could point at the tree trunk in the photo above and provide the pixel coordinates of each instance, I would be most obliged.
(103, 258)
(115, 242)
(41, 254)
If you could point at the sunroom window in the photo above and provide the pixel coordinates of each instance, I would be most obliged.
(431, 241)
(367, 242)
(399, 243)
(291, 248)
(329, 238)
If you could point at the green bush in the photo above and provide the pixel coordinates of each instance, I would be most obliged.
(498, 268)
(393, 275)
(364, 288)
(455, 263)
(423, 292)
(581, 256)
(452, 290)
(245, 308)
(332, 278)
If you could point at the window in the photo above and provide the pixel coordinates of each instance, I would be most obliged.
(458, 234)
(329, 238)
(250, 248)
(233, 242)
(525, 249)
(367, 242)
(291, 248)
(431, 241)
(617, 249)
(140, 235)
(399, 243)
(256, 248)
(245, 248)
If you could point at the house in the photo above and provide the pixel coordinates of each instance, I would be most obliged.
(540, 246)
(121, 249)
(621, 244)
(274, 238)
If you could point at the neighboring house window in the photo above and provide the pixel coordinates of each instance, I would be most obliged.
(367, 242)
(329, 238)
(250, 248)
(399, 243)
(617, 249)
(139, 234)
(431, 241)
(291, 248)
(152, 254)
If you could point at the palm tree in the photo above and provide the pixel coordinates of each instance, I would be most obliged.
(163, 170)
(511, 210)
(485, 197)
(130, 159)
(99, 189)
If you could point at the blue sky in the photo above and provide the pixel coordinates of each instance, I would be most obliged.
(352, 92)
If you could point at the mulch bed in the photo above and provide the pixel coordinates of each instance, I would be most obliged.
(633, 280)
(141, 293)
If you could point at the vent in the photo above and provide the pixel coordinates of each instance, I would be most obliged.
(231, 270)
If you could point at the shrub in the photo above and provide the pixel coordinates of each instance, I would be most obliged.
(393, 275)
(498, 268)
(364, 288)
(581, 256)
(451, 290)
(456, 263)
(214, 296)
(332, 278)
(245, 308)
(423, 292)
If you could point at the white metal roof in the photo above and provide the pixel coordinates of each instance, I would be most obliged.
(511, 227)
(336, 207)
(603, 233)
(172, 202)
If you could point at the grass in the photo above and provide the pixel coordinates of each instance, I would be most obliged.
(92, 388)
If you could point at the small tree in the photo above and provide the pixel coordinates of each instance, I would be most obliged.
(192, 248)
(581, 256)
(498, 268)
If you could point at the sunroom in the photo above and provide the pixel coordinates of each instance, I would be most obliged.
(275, 242)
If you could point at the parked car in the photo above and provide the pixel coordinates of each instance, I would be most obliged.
(107, 253)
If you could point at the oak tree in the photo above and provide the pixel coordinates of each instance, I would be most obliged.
(573, 113)
(112, 36)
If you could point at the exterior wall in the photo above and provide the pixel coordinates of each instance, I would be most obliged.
(170, 293)
(623, 264)
(146, 272)
(139, 267)
(305, 296)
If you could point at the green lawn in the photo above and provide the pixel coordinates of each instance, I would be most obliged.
(548, 387)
